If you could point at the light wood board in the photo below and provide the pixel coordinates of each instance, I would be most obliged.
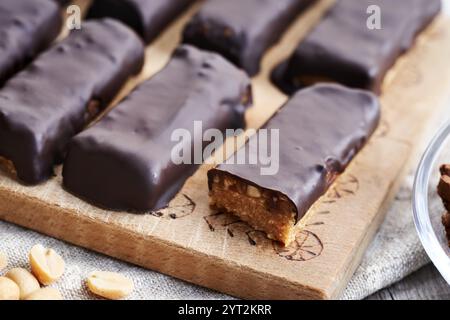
(189, 241)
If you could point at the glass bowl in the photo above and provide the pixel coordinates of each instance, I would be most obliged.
(427, 206)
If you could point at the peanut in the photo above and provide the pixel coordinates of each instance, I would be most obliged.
(45, 294)
(227, 183)
(25, 280)
(253, 192)
(46, 264)
(9, 290)
(109, 285)
(3, 261)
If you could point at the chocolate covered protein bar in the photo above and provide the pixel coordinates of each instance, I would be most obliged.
(147, 17)
(320, 130)
(125, 161)
(349, 46)
(26, 28)
(242, 31)
(54, 98)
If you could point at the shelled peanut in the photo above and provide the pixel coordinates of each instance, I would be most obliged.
(18, 283)
(9, 290)
(110, 285)
(47, 266)
(26, 282)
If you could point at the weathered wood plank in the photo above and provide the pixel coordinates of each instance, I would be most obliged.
(425, 284)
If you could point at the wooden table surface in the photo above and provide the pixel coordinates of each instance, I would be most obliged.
(425, 284)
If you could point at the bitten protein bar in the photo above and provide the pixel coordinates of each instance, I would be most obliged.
(321, 129)
(125, 161)
(349, 46)
(62, 91)
(26, 28)
(242, 30)
(147, 17)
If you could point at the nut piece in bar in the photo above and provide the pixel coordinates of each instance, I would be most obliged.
(27, 27)
(147, 17)
(242, 30)
(443, 190)
(125, 162)
(49, 102)
(320, 129)
(346, 48)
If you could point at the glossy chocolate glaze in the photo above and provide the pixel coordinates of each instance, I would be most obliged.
(343, 49)
(147, 17)
(26, 28)
(46, 104)
(124, 161)
(242, 30)
(321, 129)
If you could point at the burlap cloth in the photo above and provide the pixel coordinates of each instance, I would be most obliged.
(395, 252)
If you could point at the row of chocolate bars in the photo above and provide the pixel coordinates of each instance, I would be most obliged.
(123, 162)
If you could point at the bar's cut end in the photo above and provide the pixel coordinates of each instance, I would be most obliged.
(263, 209)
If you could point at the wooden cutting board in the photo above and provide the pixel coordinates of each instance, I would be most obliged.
(189, 241)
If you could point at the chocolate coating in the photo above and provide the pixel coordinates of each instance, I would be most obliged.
(341, 48)
(124, 161)
(26, 28)
(242, 30)
(147, 17)
(321, 129)
(47, 103)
